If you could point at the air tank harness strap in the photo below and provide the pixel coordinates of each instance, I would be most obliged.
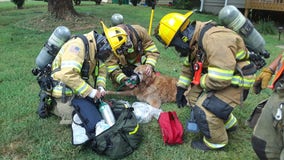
(202, 32)
(86, 66)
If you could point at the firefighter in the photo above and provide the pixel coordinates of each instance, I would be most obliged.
(267, 139)
(71, 75)
(140, 49)
(216, 71)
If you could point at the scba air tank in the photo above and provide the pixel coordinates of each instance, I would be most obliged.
(232, 18)
(59, 36)
(116, 19)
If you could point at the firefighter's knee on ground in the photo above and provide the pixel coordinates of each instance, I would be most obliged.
(64, 111)
(201, 121)
(218, 107)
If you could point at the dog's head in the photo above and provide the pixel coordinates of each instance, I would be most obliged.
(141, 72)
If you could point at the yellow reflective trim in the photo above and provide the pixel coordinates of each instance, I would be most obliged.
(82, 88)
(242, 82)
(71, 64)
(202, 81)
(112, 68)
(241, 55)
(152, 48)
(101, 79)
(151, 61)
(135, 130)
(221, 74)
(184, 80)
(101, 65)
(186, 62)
(231, 121)
(57, 91)
(120, 77)
(212, 145)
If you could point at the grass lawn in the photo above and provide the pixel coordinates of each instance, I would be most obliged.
(25, 136)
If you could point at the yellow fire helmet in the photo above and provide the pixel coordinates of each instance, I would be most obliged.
(170, 24)
(116, 37)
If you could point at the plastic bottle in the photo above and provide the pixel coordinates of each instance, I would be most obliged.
(59, 36)
(101, 126)
(107, 114)
(191, 124)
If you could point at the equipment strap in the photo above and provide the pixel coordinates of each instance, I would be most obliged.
(202, 32)
(139, 41)
(86, 66)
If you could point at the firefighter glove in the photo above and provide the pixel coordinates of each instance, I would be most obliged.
(262, 80)
(180, 98)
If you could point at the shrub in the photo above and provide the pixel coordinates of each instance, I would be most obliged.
(135, 2)
(186, 4)
(266, 27)
(19, 3)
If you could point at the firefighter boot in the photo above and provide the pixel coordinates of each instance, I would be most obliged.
(199, 144)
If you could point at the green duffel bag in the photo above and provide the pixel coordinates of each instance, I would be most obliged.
(122, 138)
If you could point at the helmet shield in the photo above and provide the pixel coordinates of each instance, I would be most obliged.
(116, 37)
(170, 24)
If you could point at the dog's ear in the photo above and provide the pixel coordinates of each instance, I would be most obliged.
(149, 79)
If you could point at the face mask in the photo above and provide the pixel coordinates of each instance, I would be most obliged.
(181, 41)
(129, 45)
(180, 46)
(103, 48)
(188, 32)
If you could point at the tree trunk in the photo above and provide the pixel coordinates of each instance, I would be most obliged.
(62, 9)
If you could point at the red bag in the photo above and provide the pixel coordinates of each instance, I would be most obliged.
(171, 128)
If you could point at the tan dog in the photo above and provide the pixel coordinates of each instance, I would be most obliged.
(154, 89)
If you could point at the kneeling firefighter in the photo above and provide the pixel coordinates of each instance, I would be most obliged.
(216, 71)
(139, 49)
(77, 60)
(267, 139)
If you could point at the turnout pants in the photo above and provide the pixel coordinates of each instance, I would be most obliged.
(213, 115)
(63, 110)
(267, 139)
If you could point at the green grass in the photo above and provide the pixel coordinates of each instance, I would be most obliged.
(25, 136)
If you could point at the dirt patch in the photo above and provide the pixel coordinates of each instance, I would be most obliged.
(47, 23)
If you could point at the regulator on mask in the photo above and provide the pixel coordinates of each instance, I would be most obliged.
(182, 39)
(103, 48)
(232, 18)
(50, 49)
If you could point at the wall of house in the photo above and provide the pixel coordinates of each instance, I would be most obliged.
(163, 2)
(159, 2)
(214, 6)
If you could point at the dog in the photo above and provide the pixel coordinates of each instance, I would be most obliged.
(154, 89)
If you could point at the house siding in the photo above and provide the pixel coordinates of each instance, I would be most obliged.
(214, 6)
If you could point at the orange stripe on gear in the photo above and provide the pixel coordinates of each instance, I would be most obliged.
(278, 75)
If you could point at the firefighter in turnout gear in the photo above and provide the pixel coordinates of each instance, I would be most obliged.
(139, 49)
(216, 72)
(267, 139)
(71, 69)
